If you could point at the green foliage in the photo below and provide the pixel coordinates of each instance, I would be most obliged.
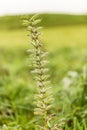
(10, 22)
(4, 127)
(49, 20)
(17, 88)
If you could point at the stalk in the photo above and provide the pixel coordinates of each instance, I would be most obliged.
(44, 97)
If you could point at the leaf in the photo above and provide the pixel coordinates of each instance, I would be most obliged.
(36, 22)
(25, 22)
(34, 17)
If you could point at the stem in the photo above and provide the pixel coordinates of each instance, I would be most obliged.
(44, 96)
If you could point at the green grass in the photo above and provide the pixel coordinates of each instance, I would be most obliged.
(53, 37)
(67, 46)
(48, 20)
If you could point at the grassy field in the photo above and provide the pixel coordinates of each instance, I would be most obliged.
(67, 47)
(48, 20)
(53, 37)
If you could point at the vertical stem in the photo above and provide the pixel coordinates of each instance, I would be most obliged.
(44, 98)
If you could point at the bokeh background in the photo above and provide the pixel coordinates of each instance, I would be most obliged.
(64, 36)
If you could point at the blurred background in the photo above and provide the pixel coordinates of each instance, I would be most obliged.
(64, 36)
